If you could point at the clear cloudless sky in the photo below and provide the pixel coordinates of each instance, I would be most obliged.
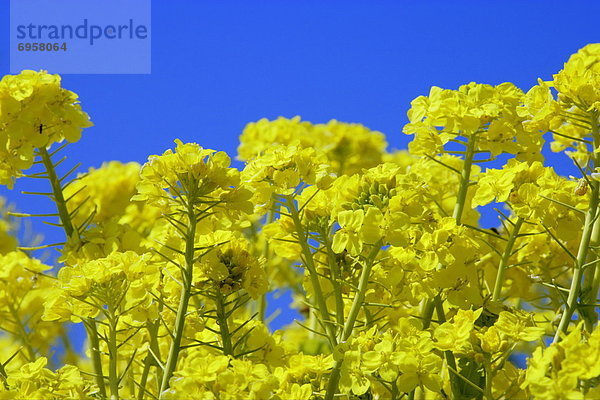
(217, 65)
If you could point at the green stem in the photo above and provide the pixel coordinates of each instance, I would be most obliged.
(591, 285)
(312, 272)
(262, 300)
(92, 332)
(22, 333)
(591, 282)
(359, 298)
(488, 395)
(144, 377)
(335, 280)
(262, 307)
(590, 219)
(457, 213)
(183, 300)
(57, 192)
(223, 324)
(395, 393)
(113, 377)
(465, 180)
(505, 258)
(592, 317)
(70, 231)
(149, 360)
(450, 360)
(427, 311)
(312, 324)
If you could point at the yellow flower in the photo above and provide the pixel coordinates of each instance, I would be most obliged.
(485, 111)
(104, 192)
(347, 147)
(563, 369)
(518, 327)
(348, 237)
(121, 282)
(231, 267)
(35, 112)
(196, 175)
(455, 335)
(418, 371)
(281, 169)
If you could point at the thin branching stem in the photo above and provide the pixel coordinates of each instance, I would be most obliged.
(222, 321)
(357, 304)
(59, 199)
(504, 261)
(591, 218)
(186, 291)
(312, 271)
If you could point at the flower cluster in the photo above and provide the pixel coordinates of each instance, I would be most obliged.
(35, 112)
(486, 113)
(348, 147)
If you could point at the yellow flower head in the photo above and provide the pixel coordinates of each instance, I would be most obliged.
(348, 147)
(231, 267)
(104, 192)
(35, 112)
(486, 112)
(200, 177)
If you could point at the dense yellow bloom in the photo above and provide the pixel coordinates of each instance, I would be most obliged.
(577, 83)
(357, 227)
(218, 377)
(485, 111)
(231, 267)
(35, 112)
(195, 174)
(572, 115)
(517, 327)
(347, 147)
(34, 381)
(281, 169)
(521, 184)
(121, 282)
(404, 358)
(557, 372)
(106, 218)
(23, 290)
(540, 109)
(104, 192)
(259, 136)
(455, 335)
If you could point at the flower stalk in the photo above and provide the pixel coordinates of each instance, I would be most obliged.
(591, 280)
(504, 261)
(357, 303)
(312, 272)
(591, 219)
(57, 193)
(184, 299)
(221, 316)
(92, 332)
(113, 377)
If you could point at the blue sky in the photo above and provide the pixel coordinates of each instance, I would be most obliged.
(218, 65)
